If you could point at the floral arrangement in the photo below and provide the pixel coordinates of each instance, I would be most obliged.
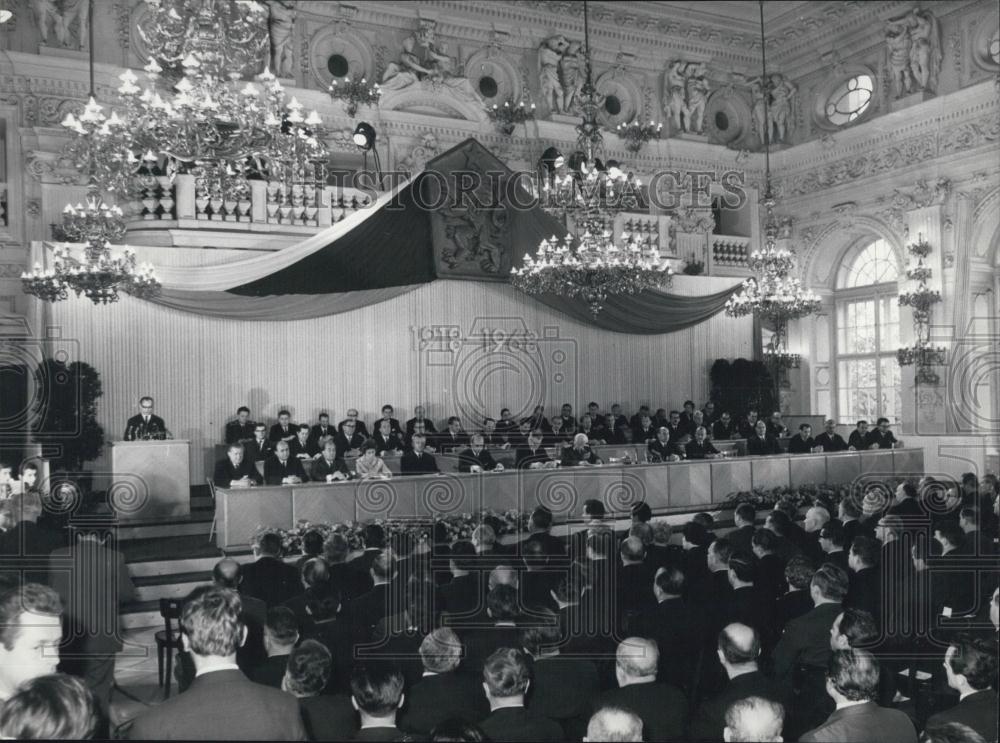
(447, 528)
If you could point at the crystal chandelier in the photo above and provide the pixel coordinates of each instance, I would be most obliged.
(774, 293)
(98, 276)
(587, 196)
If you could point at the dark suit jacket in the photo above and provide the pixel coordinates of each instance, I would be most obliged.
(856, 440)
(906, 507)
(136, 428)
(236, 431)
(225, 472)
(694, 450)
(321, 468)
(710, 719)
(865, 592)
(838, 558)
(463, 598)
(298, 450)
(392, 442)
(328, 718)
(864, 723)
(662, 708)
(428, 426)
(271, 580)
(798, 445)
(277, 433)
(722, 432)
(561, 689)
(411, 464)
(831, 443)
(518, 724)
(741, 539)
(433, 699)
(806, 641)
(94, 627)
(359, 427)
(754, 608)
(222, 705)
(572, 457)
(447, 441)
(254, 451)
(344, 444)
(758, 446)
(792, 605)
(28, 539)
(771, 575)
(978, 711)
(254, 616)
(270, 672)
(316, 433)
(525, 456)
(275, 472)
(884, 440)
(677, 626)
(467, 458)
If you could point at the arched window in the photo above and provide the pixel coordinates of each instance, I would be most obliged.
(868, 381)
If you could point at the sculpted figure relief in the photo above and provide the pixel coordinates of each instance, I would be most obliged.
(58, 16)
(425, 57)
(913, 42)
(782, 90)
(550, 54)
(685, 93)
(280, 23)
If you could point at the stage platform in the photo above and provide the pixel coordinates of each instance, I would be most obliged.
(675, 486)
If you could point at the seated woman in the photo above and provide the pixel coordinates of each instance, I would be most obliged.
(370, 466)
(329, 467)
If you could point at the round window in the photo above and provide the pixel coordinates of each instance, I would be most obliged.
(337, 65)
(849, 100)
(487, 86)
(721, 121)
(613, 105)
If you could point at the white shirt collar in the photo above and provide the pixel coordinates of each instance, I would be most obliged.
(220, 667)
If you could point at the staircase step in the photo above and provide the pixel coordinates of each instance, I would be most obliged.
(164, 569)
(172, 589)
(155, 530)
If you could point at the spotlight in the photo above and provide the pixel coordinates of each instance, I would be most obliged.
(364, 136)
(552, 159)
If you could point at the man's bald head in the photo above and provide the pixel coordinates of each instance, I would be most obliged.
(614, 724)
(226, 573)
(739, 644)
(754, 719)
(503, 575)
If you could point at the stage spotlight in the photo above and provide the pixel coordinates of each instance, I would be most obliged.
(364, 136)
(552, 159)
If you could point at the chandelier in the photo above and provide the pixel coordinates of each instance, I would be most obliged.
(774, 293)
(355, 92)
(98, 276)
(587, 195)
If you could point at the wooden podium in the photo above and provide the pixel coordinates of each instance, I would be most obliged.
(150, 480)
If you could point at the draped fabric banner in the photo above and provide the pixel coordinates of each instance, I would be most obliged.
(423, 230)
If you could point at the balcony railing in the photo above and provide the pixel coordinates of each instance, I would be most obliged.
(272, 206)
(730, 252)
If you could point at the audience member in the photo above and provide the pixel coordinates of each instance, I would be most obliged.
(268, 577)
(307, 675)
(614, 724)
(221, 704)
(754, 719)
(281, 634)
(54, 707)
(30, 635)
(971, 668)
(506, 680)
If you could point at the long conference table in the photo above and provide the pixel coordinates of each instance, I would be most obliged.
(673, 486)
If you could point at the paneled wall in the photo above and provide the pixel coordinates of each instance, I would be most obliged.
(425, 347)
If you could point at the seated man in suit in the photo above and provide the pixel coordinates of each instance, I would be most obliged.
(359, 425)
(858, 439)
(506, 678)
(240, 430)
(881, 437)
(221, 704)
(852, 682)
(565, 425)
(662, 708)
(387, 440)
(724, 428)
(30, 635)
(747, 425)
(260, 447)
(452, 439)
(419, 416)
(477, 458)
(284, 429)
(533, 456)
(802, 442)
(507, 427)
(416, 461)
(762, 443)
(320, 431)
(329, 467)
(775, 426)
(429, 438)
(236, 470)
(281, 634)
(281, 469)
(645, 431)
(145, 425)
(394, 426)
(491, 437)
(268, 577)
(302, 447)
(970, 665)
(701, 447)
(614, 723)
(662, 448)
(580, 454)
(830, 440)
(349, 441)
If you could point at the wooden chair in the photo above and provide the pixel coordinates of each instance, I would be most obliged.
(168, 640)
